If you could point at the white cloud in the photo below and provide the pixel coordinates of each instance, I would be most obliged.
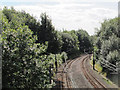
(69, 14)
(94, 16)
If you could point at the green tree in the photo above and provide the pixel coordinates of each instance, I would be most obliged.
(108, 41)
(85, 42)
(21, 18)
(70, 43)
(47, 33)
(23, 64)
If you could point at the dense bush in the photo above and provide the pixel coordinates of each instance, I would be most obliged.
(25, 63)
(43, 28)
(108, 42)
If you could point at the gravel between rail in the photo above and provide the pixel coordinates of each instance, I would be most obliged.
(71, 75)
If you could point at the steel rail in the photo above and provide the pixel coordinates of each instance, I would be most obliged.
(93, 81)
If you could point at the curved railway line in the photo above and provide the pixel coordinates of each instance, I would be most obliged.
(93, 81)
(64, 77)
(65, 70)
(67, 79)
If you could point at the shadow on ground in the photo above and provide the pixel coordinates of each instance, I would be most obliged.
(59, 84)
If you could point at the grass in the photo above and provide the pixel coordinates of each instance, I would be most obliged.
(106, 80)
(99, 69)
(103, 74)
(97, 66)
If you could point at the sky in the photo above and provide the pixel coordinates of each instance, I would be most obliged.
(69, 14)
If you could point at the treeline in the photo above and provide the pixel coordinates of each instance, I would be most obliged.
(107, 43)
(31, 49)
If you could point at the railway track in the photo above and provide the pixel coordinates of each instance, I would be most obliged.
(66, 69)
(64, 77)
(93, 81)
(67, 79)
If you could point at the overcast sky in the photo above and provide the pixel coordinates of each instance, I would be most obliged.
(69, 14)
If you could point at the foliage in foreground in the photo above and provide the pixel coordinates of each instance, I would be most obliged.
(24, 62)
(31, 48)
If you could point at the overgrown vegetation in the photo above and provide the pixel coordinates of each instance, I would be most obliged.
(32, 47)
(99, 69)
(107, 44)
